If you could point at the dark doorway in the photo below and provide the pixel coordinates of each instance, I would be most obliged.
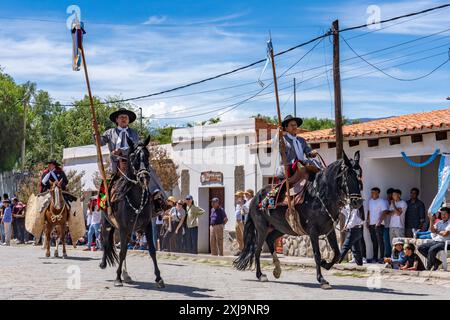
(218, 192)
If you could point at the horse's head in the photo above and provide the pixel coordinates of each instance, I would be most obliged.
(351, 181)
(57, 199)
(139, 159)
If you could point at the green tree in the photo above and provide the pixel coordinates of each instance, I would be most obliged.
(11, 120)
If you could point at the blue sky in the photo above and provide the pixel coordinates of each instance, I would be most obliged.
(139, 47)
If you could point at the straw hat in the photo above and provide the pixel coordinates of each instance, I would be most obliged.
(172, 198)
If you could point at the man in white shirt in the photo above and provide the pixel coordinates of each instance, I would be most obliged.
(376, 208)
(94, 221)
(397, 212)
(442, 231)
(354, 227)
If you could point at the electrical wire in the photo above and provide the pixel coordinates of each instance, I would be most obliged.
(391, 76)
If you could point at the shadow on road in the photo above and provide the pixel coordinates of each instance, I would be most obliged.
(68, 258)
(349, 288)
(192, 292)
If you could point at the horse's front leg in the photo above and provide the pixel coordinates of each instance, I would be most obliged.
(58, 237)
(122, 256)
(125, 275)
(152, 250)
(271, 238)
(332, 240)
(63, 228)
(314, 235)
(46, 240)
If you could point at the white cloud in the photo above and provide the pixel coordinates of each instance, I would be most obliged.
(155, 20)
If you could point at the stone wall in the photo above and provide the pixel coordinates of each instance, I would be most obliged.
(185, 183)
(239, 178)
(301, 247)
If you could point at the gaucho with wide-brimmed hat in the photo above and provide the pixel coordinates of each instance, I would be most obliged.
(296, 148)
(117, 138)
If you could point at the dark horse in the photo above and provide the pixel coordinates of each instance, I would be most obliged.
(330, 190)
(133, 212)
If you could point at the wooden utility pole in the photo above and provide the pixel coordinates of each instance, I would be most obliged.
(280, 130)
(24, 133)
(337, 92)
(295, 99)
(338, 110)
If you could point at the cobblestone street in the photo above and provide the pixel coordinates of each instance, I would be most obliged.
(26, 274)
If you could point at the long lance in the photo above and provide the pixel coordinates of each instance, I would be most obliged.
(95, 126)
(280, 130)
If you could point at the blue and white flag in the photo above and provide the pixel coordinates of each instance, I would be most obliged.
(443, 182)
(77, 42)
(269, 49)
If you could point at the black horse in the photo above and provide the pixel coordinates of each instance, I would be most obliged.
(330, 190)
(133, 212)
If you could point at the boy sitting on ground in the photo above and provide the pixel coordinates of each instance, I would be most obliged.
(412, 260)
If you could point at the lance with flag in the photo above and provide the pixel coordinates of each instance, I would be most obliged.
(79, 58)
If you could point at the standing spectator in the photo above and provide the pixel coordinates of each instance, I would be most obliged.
(387, 222)
(376, 207)
(167, 243)
(172, 238)
(7, 220)
(239, 213)
(249, 194)
(19, 220)
(354, 227)
(397, 211)
(411, 259)
(415, 214)
(159, 231)
(218, 219)
(442, 234)
(95, 218)
(192, 212)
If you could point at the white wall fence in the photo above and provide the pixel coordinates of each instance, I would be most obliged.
(8, 182)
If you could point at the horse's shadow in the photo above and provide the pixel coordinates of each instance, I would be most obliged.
(188, 291)
(68, 258)
(349, 288)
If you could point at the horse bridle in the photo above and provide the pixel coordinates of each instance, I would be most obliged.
(348, 196)
(56, 217)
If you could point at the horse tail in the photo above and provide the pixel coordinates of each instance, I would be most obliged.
(109, 248)
(245, 258)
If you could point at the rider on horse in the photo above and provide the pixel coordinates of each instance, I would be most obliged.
(51, 174)
(117, 140)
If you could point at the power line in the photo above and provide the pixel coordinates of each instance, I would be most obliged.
(391, 76)
(276, 55)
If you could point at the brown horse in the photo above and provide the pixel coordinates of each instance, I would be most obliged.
(56, 216)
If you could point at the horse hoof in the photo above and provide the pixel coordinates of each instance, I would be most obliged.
(47, 255)
(102, 265)
(325, 286)
(64, 255)
(118, 283)
(263, 278)
(277, 273)
(160, 284)
(127, 279)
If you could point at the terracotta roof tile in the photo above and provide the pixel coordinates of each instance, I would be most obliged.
(395, 125)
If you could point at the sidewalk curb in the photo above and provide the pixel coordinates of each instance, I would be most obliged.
(347, 267)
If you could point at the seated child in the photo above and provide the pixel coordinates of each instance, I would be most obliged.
(412, 260)
(397, 256)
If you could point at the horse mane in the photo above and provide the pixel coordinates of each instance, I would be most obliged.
(324, 183)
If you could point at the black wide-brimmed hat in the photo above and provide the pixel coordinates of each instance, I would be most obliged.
(53, 161)
(131, 115)
(290, 118)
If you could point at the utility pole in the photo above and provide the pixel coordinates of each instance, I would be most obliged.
(24, 133)
(295, 99)
(142, 129)
(337, 92)
(338, 111)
